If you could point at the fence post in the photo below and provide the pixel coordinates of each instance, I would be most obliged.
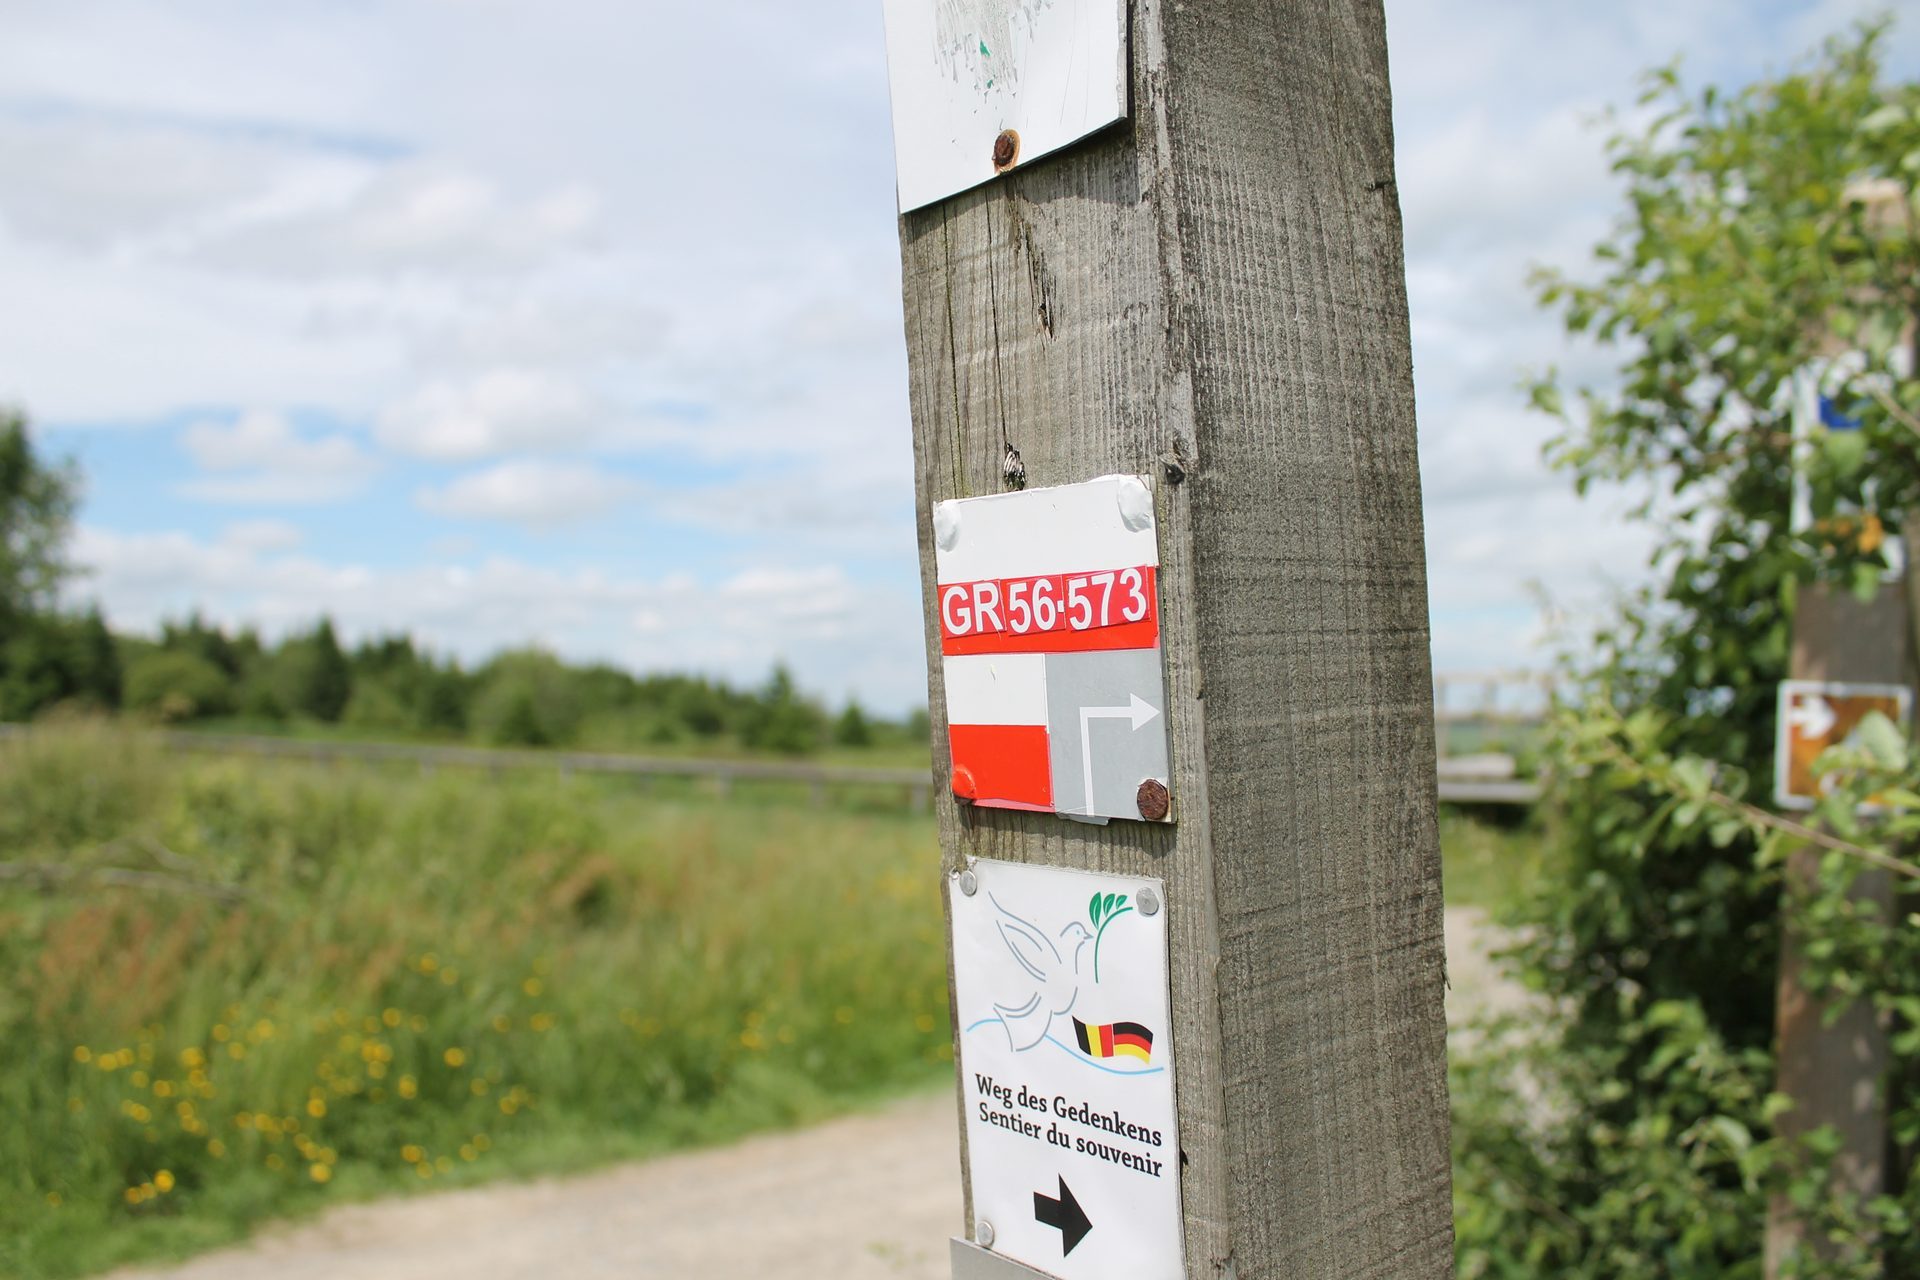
(1834, 1068)
(1213, 294)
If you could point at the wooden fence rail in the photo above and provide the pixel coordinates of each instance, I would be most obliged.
(1483, 779)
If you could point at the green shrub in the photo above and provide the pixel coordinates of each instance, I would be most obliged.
(171, 685)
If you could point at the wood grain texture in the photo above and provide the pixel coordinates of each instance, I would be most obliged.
(1214, 294)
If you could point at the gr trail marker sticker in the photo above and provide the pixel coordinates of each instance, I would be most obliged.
(983, 86)
(1050, 648)
(1066, 1066)
(1815, 715)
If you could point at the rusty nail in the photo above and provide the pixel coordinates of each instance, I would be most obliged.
(1152, 799)
(1006, 150)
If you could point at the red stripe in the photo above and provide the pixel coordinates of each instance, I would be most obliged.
(1002, 765)
(1106, 1041)
(1131, 635)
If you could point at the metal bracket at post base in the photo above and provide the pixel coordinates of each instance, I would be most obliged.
(971, 1262)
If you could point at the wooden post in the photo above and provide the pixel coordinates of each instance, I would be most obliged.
(1213, 293)
(1834, 1069)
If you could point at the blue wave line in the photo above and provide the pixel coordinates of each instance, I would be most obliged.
(1080, 1058)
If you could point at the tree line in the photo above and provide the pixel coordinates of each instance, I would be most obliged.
(196, 671)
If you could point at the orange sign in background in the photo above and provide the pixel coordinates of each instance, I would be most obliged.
(1815, 715)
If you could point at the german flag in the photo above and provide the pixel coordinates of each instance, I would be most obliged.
(1114, 1039)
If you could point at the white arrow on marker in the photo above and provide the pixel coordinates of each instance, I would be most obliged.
(1813, 716)
(1136, 710)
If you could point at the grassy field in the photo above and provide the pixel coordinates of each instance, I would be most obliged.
(417, 981)
(242, 989)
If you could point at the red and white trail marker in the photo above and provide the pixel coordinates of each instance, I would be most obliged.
(1050, 649)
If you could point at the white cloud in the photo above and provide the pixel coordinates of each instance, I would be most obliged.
(500, 411)
(260, 457)
(532, 492)
(262, 535)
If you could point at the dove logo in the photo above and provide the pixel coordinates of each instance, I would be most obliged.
(1054, 966)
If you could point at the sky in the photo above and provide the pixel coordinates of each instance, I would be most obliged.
(578, 323)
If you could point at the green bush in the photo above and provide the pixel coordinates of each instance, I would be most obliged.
(172, 686)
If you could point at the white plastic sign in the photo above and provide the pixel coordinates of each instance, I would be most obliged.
(1049, 615)
(965, 72)
(1066, 1065)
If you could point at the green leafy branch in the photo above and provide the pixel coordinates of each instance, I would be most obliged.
(1873, 765)
(1103, 910)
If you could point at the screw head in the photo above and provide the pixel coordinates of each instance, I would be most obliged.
(1006, 150)
(969, 883)
(1148, 901)
(1153, 799)
(983, 1234)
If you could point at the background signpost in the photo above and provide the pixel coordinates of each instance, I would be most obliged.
(1833, 1066)
(1212, 294)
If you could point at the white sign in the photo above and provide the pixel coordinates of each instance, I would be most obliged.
(1066, 1065)
(965, 72)
(1048, 602)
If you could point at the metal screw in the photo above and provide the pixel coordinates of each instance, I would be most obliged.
(1153, 799)
(983, 1234)
(969, 883)
(1006, 150)
(1148, 901)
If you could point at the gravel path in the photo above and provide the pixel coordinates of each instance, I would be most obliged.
(867, 1197)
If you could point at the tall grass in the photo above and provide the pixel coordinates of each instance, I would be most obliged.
(417, 980)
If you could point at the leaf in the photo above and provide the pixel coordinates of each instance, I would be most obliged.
(1881, 740)
(1693, 777)
(1885, 118)
(1093, 909)
(1737, 1137)
(1845, 451)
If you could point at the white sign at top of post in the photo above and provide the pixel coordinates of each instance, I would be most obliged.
(981, 86)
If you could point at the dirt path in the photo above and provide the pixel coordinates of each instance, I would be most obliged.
(868, 1197)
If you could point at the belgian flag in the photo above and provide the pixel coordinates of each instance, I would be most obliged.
(1114, 1039)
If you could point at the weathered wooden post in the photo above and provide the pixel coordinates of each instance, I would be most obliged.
(1849, 658)
(1203, 300)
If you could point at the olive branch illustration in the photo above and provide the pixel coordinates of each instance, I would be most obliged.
(1102, 911)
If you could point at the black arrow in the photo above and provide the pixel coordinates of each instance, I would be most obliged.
(1064, 1214)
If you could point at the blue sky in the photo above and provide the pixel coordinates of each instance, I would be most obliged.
(579, 323)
